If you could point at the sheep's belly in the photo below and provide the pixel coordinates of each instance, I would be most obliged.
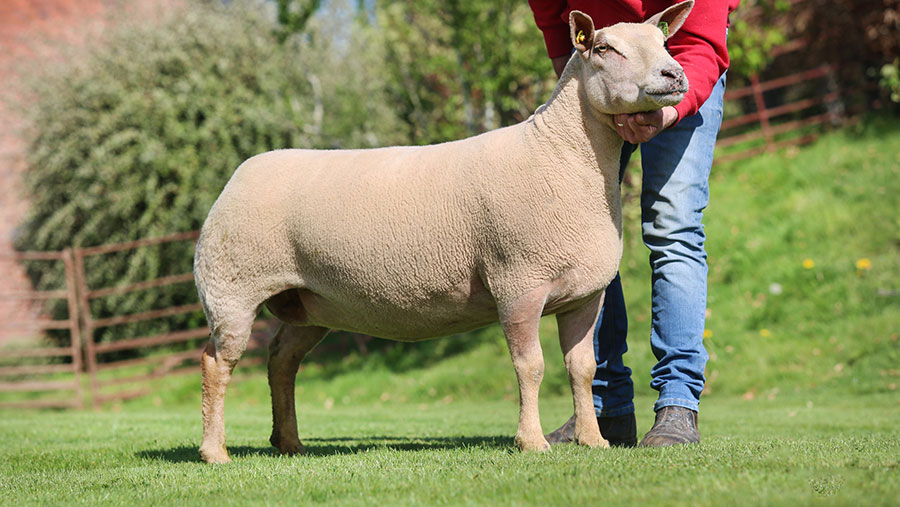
(413, 321)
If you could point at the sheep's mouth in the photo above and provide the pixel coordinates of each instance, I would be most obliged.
(668, 97)
(664, 93)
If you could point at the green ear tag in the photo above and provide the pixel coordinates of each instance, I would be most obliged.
(664, 27)
(580, 37)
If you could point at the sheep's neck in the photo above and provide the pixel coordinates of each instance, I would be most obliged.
(569, 124)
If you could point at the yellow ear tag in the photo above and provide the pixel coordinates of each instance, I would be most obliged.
(580, 37)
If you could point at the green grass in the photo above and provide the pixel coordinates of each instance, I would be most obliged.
(833, 325)
(787, 451)
(829, 327)
(801, 403)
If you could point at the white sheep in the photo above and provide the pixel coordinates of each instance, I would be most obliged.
(410, 243)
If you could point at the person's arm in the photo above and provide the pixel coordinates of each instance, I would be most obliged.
(548, 16)
(699, 47)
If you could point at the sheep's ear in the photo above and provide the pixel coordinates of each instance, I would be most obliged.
(581, 28)
(671, 19)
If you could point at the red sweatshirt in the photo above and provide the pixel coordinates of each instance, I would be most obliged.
(699, 46)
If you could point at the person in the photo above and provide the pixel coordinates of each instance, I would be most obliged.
(676, 156)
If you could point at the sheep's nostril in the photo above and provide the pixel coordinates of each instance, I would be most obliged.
(669, 74)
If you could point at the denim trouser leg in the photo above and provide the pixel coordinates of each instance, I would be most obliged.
(676, 165)
(612, 386)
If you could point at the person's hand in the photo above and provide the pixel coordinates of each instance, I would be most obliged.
(641, 127)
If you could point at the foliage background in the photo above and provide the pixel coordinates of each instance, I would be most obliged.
(457, 68)
(859, 38)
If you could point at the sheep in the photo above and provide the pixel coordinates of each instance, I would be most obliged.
(410, 243)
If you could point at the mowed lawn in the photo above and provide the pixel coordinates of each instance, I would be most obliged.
(785, 451)
(801, 404)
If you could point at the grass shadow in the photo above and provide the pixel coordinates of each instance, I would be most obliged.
(318, 447)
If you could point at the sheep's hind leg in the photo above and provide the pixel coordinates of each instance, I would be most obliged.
(287, 349)
(219, 359)
(576, 337)
(520, 324)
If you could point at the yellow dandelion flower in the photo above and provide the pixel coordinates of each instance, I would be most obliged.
(707, 333)
(809, 263)
(765, 332)
(863, 263)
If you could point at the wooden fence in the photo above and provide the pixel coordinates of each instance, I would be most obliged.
(123, 372)
(84, 353)
(808, 100)
(115, 378)
(29, 369)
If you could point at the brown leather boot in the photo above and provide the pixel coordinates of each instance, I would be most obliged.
(673, 426)
(620, 431)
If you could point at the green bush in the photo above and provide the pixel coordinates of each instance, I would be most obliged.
(139, 136)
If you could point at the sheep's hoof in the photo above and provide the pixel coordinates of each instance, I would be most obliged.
(287, 446)
(214, 456)
(593, 441)
(533, 444)
(292, 448)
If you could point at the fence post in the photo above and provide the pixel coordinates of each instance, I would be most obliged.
(75, 325)
(762, 111)
(87, 325)
(836, 109)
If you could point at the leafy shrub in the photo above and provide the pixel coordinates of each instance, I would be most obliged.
(139, 136)
(890, 79)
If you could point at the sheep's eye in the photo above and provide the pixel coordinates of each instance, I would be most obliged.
(601, 48)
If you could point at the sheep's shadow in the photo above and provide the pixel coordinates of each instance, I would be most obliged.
(320, 447)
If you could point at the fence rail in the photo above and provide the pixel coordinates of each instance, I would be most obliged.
(54, 363)
(108, 379)
(122, 372)
(778, 126)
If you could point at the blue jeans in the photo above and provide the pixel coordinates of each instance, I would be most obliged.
(676, 165)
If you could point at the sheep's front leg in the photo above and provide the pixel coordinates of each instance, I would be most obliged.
(576, 337)
(520, 324)
(288, 348)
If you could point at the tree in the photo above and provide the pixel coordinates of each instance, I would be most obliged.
(460, 68)
(293, 15)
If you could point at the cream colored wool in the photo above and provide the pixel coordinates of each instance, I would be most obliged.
(412, 243)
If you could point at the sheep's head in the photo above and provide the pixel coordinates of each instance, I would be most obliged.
(625, 68)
